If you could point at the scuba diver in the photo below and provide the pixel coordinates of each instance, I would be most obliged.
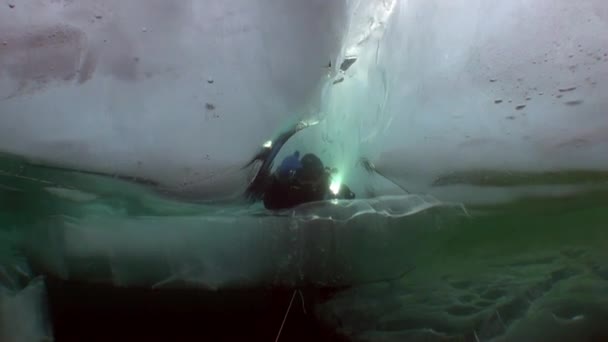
(296, 180)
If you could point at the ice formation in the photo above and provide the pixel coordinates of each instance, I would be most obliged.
(468, 100)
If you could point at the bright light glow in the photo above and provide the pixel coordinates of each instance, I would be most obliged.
(335, 185)
(268, 144)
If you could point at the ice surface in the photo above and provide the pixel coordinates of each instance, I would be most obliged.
(181, 93)
(489, 104)
(232, 247)
(528, 271)
(476, 85)
(184, 94)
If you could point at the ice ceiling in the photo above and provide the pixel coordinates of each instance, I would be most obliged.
(184, 92)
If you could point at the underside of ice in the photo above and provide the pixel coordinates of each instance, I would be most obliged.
(183, 94)
(126, 127)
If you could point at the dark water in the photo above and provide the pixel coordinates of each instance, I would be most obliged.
(120, 262)
(85, 312)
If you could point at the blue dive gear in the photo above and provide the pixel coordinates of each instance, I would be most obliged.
(290, 165)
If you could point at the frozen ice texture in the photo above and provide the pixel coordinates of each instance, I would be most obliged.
(183, 94)
(124, 87)
(231, 247)
(437, 94)
(23, 314)
(467, 86)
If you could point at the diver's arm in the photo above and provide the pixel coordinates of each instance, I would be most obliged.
(255, 190)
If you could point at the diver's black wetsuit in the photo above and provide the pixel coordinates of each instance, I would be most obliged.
(309, 182)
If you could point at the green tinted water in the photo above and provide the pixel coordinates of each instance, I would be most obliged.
(532, 269)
